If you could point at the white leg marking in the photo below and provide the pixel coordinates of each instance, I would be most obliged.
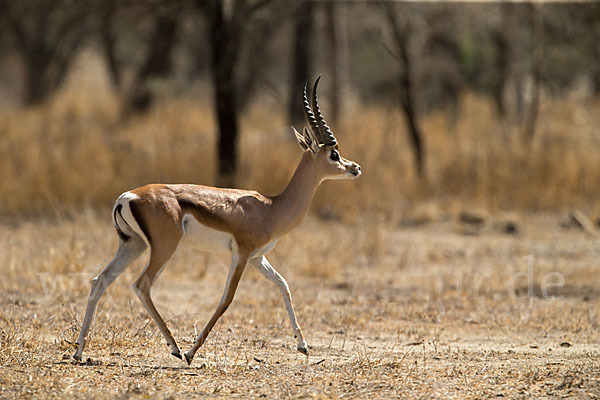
(267, 270)
(126, 254)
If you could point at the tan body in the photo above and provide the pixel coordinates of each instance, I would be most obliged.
(252, 219)
(245, 223)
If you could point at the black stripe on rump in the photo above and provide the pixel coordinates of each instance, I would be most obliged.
(122, 235)
(135, 212)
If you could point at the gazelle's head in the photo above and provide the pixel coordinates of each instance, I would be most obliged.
(317, 140)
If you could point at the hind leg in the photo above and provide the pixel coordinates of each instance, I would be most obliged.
(160, 254)
(238, 263)
(128, 251)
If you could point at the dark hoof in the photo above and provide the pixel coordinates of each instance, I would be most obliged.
(188, 358)
(78, 358)
(303, 350)
(177, 354)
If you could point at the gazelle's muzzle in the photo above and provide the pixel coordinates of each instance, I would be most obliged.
(353, 168)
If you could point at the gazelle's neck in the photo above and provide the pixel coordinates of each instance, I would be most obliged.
(292, 204)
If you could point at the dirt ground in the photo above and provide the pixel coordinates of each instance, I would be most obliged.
(406, 308)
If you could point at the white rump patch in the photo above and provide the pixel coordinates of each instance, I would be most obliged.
(130, 226)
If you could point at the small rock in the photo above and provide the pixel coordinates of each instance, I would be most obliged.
(569, 222)
(565, 344)
(510, 228)
(468, 217)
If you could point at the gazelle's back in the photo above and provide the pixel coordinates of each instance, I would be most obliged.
(223, 217)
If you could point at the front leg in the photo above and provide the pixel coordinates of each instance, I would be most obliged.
(238, 263)
(267, 270)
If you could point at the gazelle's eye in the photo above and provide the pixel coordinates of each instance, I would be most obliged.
(335, 156)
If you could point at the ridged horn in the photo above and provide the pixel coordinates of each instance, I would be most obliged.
(325, 134)
(310, 116)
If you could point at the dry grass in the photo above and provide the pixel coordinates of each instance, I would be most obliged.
(77, 151)
(418, 312)
(396, 298)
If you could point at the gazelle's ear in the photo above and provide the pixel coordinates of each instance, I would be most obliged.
(300, 139)
(311, 141)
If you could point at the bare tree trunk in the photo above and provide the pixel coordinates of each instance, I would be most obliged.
(107, 37)
(38, 82)
(301, 59)
(596, 69)
(401, 33)
(157, 64)
(227, 116)
(537, 46)
(333, 42)
(47, 37)
(257, 45)
(224, 37)
(506, 61)
(226, 27)
(498, 87)
(519, 97)
(516, 70)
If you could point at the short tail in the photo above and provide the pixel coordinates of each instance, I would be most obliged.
(125, 223)
(117, 216)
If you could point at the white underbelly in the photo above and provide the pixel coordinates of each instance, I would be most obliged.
(201, 237)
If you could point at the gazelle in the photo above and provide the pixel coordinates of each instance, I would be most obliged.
(244, 223)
